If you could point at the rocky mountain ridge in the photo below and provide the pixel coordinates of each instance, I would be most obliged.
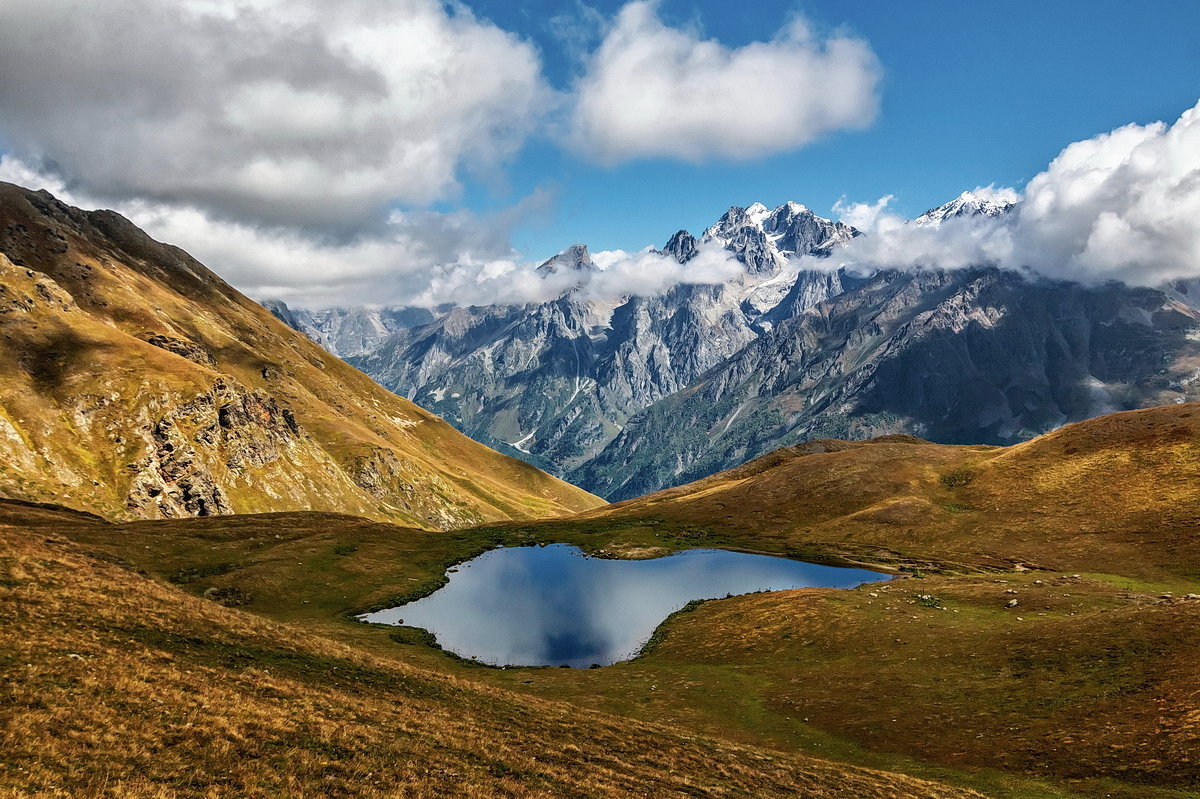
(346, 332)
(648, 392)
(554, 382)
(978, 356)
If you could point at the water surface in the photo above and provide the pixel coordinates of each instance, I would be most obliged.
(553, 605)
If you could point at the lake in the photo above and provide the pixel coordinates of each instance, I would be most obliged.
(553, 605)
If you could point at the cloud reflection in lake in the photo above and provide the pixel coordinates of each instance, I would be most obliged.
(535, 606)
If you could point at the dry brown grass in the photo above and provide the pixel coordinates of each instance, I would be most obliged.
(118, 685)
(1093, 691)
(1119, 494)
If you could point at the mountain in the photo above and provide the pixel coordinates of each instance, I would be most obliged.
(135, 383)
(346, 332)
(972, 356)
(967, 205)
(575, 258)
(554, 382)
(642, 393)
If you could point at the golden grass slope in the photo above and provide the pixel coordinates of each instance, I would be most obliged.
(1119, 494)
(135, 383)
(1087, 687)
(114, 684)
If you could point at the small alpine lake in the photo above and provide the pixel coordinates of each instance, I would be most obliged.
(554, 605)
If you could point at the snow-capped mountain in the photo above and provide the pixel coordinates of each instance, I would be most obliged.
(764, 240)
(634, 394)
(972, 356)
(555, 381)
(986, 202)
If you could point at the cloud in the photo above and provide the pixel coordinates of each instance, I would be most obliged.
(296, 112)
(278, 140)
(391, 264)
(651, 90)
(862, 216)
(1121, 206)
(1124, 205)
(647, 273)
(619, 274)
(415, 258)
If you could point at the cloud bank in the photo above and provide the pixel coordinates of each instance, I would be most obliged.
(1122, 206)
(619, 274)
(277, 139)
(651, 90)
(298, 112)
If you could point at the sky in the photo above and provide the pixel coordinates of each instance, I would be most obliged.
(397, 151)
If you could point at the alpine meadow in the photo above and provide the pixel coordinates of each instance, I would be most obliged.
(599, 398)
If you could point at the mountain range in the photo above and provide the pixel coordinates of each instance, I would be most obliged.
(633, 394)
(1039, 638)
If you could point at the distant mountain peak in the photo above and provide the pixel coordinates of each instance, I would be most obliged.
(575, 258)
(682, 245)
(981, 202)
(757, 213)
(765, 239)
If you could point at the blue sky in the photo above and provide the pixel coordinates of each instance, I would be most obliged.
(397, 151)
(973, 93)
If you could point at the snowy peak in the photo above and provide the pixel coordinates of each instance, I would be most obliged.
(682, 246)
(731, 222)
(575, 258)
(981, 202)
(757, 213)
(765, 239)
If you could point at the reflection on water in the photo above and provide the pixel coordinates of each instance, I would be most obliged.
(539, 606)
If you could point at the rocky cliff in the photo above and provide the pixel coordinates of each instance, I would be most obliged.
(554, 382)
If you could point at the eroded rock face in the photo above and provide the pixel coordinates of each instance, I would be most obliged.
(183, 348)
(229, 426)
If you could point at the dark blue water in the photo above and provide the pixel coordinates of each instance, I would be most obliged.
(549, 606)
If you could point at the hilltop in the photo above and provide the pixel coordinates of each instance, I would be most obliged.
(1115, 493)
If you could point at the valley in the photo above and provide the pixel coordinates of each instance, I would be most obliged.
(645, 399)
(934, 675)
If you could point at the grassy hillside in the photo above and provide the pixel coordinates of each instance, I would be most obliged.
(135, 383)
(119, 685)
(1087, 686)
(1117, 493)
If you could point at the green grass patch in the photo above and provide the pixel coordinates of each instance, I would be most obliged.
(190, 574)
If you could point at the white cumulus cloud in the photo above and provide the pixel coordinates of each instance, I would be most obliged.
(651, 90)
(298, 112)
(1121, 206)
